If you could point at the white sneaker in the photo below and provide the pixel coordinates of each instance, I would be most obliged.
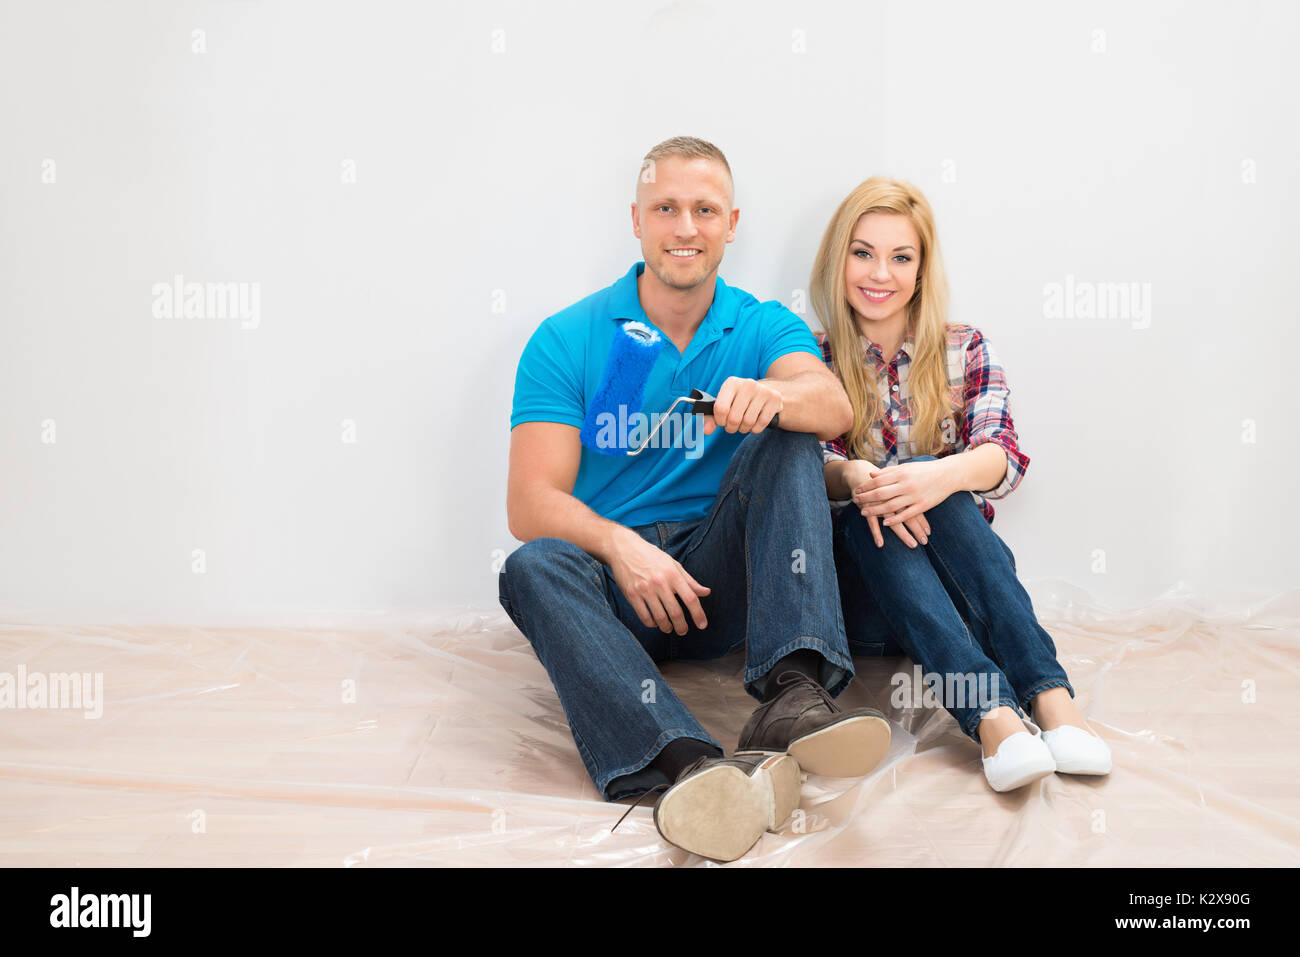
(1021, 759)
(1077, 751)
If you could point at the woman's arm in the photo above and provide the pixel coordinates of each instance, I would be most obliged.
(991, 464)
(988, 422)
(839, 487)
(975, 470)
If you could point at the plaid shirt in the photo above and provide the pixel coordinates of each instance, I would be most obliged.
(974, 373)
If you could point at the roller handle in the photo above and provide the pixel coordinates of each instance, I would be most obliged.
(704, 406)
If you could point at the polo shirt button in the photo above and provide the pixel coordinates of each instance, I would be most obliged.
(895, 388)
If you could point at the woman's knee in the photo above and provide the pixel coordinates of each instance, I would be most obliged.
(860, 543)
(960, 503)
(960, 516)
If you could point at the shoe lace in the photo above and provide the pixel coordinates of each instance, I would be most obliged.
(790, 679)
(689, 769)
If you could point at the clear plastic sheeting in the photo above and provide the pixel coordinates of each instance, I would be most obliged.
(443, 743)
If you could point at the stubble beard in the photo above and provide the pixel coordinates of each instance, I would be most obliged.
(667, 279)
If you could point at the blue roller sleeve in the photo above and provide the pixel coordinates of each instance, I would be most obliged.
(627, 370)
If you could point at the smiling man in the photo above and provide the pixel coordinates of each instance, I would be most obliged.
(678, 553)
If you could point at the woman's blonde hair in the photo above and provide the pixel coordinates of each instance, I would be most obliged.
(931, 401)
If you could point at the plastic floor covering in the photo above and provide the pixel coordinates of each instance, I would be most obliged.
(443, 743)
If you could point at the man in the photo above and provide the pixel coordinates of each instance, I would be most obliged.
(720, 541)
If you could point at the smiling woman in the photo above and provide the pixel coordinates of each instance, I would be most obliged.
(920, 569)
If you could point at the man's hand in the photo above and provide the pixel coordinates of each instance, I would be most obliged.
(656, 585)
(743, 405)
(862, 478)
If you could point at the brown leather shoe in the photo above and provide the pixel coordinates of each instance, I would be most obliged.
(804, 721)
(720, 807)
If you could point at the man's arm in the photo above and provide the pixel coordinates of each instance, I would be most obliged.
(813, 398)
(544, 458)
(809, 397)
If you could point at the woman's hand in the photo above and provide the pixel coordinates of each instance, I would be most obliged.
(858, 475)
(901, 494)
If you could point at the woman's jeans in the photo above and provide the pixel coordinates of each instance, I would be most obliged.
(954, 606)
(764, 549)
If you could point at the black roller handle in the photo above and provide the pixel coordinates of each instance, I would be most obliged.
(704, 406)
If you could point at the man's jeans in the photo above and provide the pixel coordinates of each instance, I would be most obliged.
(764, 549)
(954, 606)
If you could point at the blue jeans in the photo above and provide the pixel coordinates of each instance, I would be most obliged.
(954, 606)
(764, 549)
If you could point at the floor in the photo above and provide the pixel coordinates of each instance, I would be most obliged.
(443, 743)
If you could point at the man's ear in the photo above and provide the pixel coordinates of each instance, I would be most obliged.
(636, 221)
(735, 218)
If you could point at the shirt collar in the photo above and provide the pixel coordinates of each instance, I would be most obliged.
(871, 350)
(626, 304)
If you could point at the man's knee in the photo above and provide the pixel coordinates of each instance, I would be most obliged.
(779, 448)
(789, 442)
(540, 559)
(539, 576)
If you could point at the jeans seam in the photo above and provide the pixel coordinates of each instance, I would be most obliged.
(588, 758)
(859, 575)
(710, 518)
(969, 604)
(1045, 685)
(794, 644)
(997, 657)
(888, 618)
(971, 731)
(509, 609)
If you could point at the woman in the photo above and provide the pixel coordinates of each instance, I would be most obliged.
(921, 569)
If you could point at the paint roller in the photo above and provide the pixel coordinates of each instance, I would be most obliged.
(627, 370)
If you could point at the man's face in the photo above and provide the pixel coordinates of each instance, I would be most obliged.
(684, 220)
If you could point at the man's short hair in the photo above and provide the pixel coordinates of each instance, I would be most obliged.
(687, 147)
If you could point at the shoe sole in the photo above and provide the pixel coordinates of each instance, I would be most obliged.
(1028, 775)
(848, 749)
(1086, 769)
(721, 812)
(786, 782)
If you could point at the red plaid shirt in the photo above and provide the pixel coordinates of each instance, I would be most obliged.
(974, 374)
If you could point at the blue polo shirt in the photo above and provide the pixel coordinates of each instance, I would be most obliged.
(677, 477)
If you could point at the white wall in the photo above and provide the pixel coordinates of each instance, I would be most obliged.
(477, 171)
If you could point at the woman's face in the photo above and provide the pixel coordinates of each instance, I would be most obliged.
(880, 274)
